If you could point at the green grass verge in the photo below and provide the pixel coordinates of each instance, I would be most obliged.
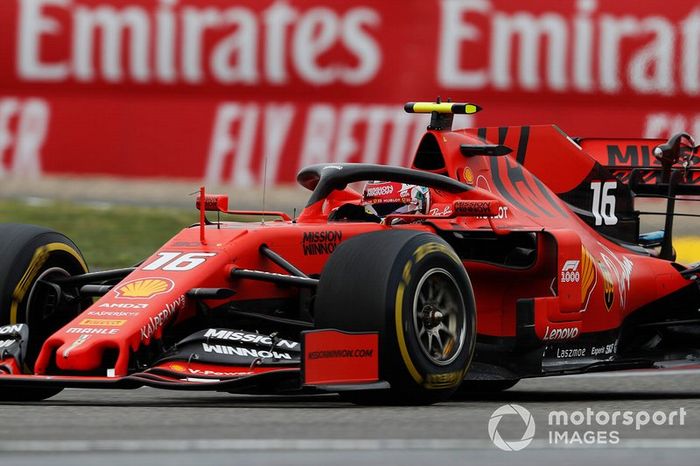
(114, 236)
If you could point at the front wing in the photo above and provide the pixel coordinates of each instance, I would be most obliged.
(333, 361)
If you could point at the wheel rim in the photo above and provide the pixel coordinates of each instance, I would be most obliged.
(42, 314)
(36, 293)
(439, 317)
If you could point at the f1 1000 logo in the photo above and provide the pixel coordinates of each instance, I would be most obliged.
(570, 273)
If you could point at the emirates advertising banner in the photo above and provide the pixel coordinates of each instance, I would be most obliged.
(215, 90)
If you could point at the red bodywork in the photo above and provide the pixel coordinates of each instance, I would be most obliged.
(579, 282)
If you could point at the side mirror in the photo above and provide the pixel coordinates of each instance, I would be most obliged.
(679, 148)
(213, 202)
(491, 150)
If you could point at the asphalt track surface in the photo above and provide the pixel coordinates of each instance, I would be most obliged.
(148, 426)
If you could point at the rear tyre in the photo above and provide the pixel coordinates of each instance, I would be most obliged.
(30, 257)
(412, 288)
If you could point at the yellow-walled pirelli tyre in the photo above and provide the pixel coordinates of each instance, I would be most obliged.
(30, 258)
(412, 288)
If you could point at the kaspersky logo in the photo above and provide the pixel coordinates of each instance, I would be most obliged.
(144, 288)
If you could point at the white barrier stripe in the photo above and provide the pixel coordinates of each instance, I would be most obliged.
(170, 445)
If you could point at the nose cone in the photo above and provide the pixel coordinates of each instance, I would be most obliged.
(83, 353)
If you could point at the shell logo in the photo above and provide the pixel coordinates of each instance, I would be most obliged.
(177, 367)
(468, 175)
(144, 288)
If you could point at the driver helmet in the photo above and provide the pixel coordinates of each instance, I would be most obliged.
(386, 198)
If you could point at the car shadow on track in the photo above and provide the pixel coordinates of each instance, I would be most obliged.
(167, 400)
(158, 400)
(563, 396)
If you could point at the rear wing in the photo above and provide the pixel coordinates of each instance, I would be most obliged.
(653, 168)
(646, 165)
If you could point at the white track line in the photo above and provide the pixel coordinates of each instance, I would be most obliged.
(632, 373)
(204, 445)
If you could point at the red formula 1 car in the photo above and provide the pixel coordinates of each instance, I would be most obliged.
(502, 253)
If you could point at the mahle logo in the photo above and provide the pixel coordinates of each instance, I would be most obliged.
(508, 411)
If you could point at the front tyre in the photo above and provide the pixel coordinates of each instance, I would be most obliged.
(31, 257)
(412, 288)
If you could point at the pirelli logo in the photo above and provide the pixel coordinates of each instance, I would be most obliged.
(102, 322)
